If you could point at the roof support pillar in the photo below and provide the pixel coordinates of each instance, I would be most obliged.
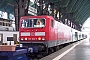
(20, 10)
(16, 14)
(70, 24)
(40, 7)
(59, 14)
(63, 15)
(52, 9)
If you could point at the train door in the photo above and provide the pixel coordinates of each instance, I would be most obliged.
(15, 37)
(52, 30)
(1, 38)
(76, 36)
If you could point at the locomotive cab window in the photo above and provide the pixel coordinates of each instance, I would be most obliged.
(33, 23)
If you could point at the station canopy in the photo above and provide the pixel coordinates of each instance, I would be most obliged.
(79, 8)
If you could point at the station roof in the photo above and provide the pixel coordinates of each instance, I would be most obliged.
(79, 8)
(6, 6)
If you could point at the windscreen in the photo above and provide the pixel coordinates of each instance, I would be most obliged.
(33, 23)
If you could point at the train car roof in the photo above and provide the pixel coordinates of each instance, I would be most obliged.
(42, 16)
(5, 19)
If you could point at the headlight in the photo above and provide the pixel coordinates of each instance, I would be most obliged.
(25, 38)
(43, 38)
(22, 39)
(39, 38)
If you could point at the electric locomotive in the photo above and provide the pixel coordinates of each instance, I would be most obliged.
(44, 33)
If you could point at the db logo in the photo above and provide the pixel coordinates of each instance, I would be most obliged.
(32, 34)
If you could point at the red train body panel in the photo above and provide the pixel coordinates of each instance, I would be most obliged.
(52, 30)
(43, 32)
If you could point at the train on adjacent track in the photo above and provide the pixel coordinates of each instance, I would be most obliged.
(6, 25)
(43, 34)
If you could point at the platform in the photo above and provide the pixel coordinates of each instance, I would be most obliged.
(9, 54)
(77, 51)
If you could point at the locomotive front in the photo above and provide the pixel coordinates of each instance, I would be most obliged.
(33, 33)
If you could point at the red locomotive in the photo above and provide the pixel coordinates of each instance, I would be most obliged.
(43, 33)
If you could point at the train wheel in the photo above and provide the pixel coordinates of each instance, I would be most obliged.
(39, 56)
(51, 50)
(61, 46)
(57, 48)
(46, 52)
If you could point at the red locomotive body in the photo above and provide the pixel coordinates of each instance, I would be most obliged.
(43, 32)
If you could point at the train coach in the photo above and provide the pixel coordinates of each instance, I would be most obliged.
(4, 35)
(43, 34)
